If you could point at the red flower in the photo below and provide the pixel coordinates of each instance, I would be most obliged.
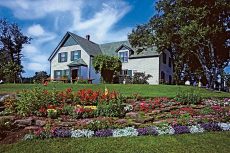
(68, 90)
(45, 83)
(51, 107)
(42, 110)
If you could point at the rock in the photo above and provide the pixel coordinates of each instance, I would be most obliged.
(121, 121)
(40, 123)
(154, 112)
(3, 97)
(65, 124)
(7, 118)
(32, 128)
(132, 115)
(27, 121)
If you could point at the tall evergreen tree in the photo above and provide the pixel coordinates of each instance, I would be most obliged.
(11, 44)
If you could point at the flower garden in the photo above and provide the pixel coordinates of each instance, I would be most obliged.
(42, 113)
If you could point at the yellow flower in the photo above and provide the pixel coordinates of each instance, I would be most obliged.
(106, 91)
(91, 107)
(52, 110)
(78, 106)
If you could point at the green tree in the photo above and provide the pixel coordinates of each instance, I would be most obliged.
(11, 44)
(39, 77)
(195, 31)
(107, 66)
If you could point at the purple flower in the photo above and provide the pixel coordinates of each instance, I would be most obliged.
(147, 131)
(104, 133)
(179, 129)
(211, 126)
(61, 133)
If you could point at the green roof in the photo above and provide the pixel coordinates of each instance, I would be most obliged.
(111, 48)
(90, 47)
(78, 62)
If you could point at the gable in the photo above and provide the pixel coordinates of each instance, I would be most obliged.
(69, 42)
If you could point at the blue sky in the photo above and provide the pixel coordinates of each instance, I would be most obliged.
(46, 21)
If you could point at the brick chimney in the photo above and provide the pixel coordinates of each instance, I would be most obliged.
(87, 37)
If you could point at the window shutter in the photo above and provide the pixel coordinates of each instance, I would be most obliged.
(72, 54)
(55, 74)
(63, 72)
(60, 73)
(79, 54)
(59, 57)
(66, 56)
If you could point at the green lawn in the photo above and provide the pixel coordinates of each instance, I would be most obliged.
(126, 90)
(207, 142)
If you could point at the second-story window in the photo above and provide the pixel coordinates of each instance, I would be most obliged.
(164, 58)
(62, 57)
(123, 56)
(75, 55)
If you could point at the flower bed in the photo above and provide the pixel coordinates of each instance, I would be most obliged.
(89, 113)
(129, 131)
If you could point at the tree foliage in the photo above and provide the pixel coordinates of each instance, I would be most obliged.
(11, 44)
(39, 77)
(107, 66)
(195, 31)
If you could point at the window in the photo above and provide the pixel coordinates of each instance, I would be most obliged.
(170, 62)
(62, 57)
(57, 74)
(123, 56)
(164, 58)
(126, 72)
(75, 55)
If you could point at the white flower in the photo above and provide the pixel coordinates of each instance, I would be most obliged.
(128, 131)
(82, 133)
(196, 129)
(224, 126)
(165, 130)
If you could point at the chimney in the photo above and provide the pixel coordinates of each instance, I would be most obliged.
(87, 37)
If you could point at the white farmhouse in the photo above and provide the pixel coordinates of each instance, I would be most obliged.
(73, 57)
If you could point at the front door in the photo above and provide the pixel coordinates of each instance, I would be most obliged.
(74, 74)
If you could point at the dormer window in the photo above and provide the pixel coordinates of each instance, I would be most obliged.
(123, 55)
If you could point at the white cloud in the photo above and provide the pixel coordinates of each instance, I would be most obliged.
(35, 67)
(97, 18)
(36, 30)
(30, 49)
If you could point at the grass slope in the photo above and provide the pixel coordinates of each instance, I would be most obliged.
(194, 143)
(126, 90)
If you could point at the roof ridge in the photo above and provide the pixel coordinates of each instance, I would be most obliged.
(115, 42)
(82, 38)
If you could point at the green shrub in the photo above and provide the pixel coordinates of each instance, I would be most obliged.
(67, 110)
(141, 78)
(111, 108)
(188, 98)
